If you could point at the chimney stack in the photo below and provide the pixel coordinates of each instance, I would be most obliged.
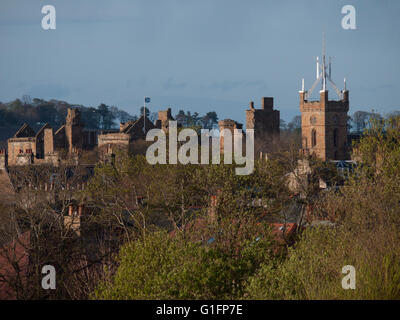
(70, 210)
(267, 103)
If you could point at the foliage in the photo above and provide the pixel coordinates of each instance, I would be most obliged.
(37, 112)
(367, 216)
(165, 267)
(208, 121)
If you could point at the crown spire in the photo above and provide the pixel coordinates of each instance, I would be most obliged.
(324, 73)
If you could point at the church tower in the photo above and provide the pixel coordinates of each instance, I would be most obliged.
(324, 121)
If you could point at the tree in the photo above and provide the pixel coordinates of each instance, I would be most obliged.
(121, 115)
(181, 118)
(26, 99)
(362, 231)
(393, 114)
(363, 119)
(212, 250)
(106, 116)
(209, 120)
(282, 125)
(153, 116)
(47, 113)
(295, 124)
(165, 267)
(147, 111)
(91, 118)
(39, 230)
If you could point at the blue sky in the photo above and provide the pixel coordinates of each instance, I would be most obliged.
(198, 55)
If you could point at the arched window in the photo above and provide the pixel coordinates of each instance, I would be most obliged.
(313, 138)
(335, 137)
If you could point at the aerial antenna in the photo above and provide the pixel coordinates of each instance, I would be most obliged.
(323, 63)
(324, 74)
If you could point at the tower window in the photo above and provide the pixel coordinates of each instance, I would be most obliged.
(313, 138)
(335, 137)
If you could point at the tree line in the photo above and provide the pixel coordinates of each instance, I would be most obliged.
(357, 122)
(37, 112)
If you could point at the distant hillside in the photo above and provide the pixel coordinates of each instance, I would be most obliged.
(37, 112)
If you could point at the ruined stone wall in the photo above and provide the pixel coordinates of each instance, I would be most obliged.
(48, 141)
(265, 122)
(60, 139)
(21, 150)
(164, 116)
(40, 143)
(73, 130)
(89, 139)
(113, 139)
(230, 125)
(3, 159)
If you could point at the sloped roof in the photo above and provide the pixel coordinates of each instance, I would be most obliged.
(60, 129)
(24, 132)
(139, 123)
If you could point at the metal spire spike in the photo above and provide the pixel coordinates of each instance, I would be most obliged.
(324, 72)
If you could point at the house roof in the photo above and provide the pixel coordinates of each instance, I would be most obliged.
(138, 123)
(24, 132)
(60, 129)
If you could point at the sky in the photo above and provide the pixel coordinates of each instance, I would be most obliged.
(198, 55)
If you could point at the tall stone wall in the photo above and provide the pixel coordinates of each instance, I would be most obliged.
(164, 116)
(73, 130)
(21, 150)
(3, 159)
(230, 125)
(265, 122)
